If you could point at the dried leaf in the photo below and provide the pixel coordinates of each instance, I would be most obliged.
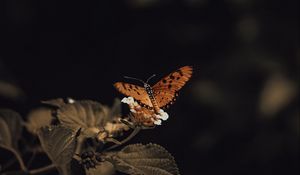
(59, 144)
(88, 115)
(116, 109)
(5, 135)
(145, 159)
(37, 119)
(59, 102)
(10, 128)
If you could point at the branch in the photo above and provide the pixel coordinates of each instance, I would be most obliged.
(42, 169)
(17, 155)
(132, 134)
(20, 160)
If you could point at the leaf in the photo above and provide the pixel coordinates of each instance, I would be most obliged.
(59, 102)
(38, 118)
(116, 109)
(10, 91)
(277, 93)
(5, 135)
(145, 159)
(88, 115)
(59, 144)
(105, 168)
(10, 128)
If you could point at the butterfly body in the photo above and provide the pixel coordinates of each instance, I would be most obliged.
(150, 93)
(162, 93)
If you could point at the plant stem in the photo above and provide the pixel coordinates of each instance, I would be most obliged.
(31, 159)
(132, 134)
(19, 158)
(42, 169)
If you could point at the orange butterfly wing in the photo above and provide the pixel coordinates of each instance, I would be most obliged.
(137, 92)
(166, 89)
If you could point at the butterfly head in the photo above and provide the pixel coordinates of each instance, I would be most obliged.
(146, 85)
(150, 78)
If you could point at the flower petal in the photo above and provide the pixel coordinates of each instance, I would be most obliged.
(128, 100)
(157, 122)
(163, 115)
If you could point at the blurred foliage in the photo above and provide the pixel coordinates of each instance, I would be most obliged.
(239, 113)
(11, 128)
(76, 143)
(59, 143)
(145, 159)
(37, 119)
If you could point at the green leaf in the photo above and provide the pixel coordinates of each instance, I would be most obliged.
(10, 128)
(105, 168)
(59, 143)
(38, 118)
(87, 115)
(145, 159)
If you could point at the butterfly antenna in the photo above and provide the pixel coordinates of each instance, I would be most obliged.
(134, 79)
(150, 78)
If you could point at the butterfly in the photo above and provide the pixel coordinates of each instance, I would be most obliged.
(161, 94)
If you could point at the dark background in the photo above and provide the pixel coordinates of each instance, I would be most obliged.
(237, 115)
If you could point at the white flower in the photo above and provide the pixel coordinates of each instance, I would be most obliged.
(128, 100)
(71, 100)
(143, 115)
(133, 110)
(136, 104)
(163, 115)
(157, 122)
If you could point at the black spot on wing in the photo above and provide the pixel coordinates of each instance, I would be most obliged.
(164, 81)
(180, 72)
(123, 84)
(161, 100)
(143, 105)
